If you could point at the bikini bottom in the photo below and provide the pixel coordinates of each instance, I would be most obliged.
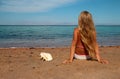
(86, 57)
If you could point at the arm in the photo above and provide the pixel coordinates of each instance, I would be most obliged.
(97, 53)
(100, 59)
(72, 49)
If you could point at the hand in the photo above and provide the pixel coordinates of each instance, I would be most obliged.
(67, 61)
(103, 61)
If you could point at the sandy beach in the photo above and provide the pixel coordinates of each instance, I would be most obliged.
(25, 63)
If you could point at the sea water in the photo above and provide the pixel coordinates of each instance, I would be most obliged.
(53, 35)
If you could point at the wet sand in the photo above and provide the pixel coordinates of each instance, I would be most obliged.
(25, 63)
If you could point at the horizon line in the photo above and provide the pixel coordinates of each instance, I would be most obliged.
(48, 24)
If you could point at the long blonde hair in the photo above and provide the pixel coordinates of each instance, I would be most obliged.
(87, 32)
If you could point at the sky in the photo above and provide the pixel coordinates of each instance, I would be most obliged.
(58, 12)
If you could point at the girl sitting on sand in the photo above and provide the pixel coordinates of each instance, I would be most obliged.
(84, 44)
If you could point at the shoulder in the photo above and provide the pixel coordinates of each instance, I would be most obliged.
(76, 30)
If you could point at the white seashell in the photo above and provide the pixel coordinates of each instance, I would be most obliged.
(46, 56)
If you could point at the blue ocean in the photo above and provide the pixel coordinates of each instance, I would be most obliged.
(52, 35)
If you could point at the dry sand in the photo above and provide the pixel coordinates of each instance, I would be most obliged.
(25, 63)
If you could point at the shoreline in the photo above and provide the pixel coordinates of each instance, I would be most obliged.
(49, 47)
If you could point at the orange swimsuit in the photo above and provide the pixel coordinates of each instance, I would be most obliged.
(80, 50)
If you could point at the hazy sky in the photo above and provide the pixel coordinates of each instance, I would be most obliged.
(39, 12)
